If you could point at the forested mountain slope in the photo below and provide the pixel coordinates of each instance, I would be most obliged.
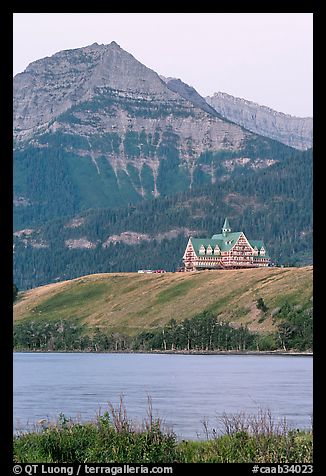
(95, 128)
(273, 205)
(115, 168)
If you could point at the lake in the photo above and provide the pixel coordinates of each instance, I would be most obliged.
(185, 389)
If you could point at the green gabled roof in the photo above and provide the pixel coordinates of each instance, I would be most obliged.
(259, 244)
(227, 237)
(222, 242)
(225, 240)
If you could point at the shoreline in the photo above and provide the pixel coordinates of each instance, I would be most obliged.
(282, 353)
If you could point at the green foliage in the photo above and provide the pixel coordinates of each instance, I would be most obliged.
(261, 305)
(295, 327)
(244, 448)
(71, 300)
(15, 292)
(267, 342)
(203, 332)
(177, 289)
(252, 438)
(65, 335)
(113, 438)
(41, 176)
(131, 144)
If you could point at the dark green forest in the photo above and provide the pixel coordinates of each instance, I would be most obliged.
(273, 204)
(54, 180)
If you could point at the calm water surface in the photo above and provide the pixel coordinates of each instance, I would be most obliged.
(185, 389)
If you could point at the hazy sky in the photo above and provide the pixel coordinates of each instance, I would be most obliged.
(262, 57)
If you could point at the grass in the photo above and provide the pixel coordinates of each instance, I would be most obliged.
(179, 290)
(72, 300)
(133, 302)
(113, 438)
(243, 448)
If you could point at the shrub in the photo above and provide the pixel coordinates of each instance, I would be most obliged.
(113, 438)
(261, 305)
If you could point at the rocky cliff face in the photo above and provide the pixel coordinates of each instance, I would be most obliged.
(106, 88)
(93, 127)
(51, 86)
(190, 94)
(294, 131)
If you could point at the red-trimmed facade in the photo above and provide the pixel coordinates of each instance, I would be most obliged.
(225, 251)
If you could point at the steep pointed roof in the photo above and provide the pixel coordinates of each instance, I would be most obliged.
(226, 230)
(226, 226)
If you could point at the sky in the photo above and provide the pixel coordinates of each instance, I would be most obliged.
(262, 57)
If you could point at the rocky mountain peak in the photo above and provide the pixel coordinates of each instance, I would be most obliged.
(190, 94)
(50, 86)
(290, 130)
(114, 44)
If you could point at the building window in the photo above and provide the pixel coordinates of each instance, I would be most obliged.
(202, 250)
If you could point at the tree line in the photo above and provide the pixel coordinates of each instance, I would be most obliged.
(203, 332)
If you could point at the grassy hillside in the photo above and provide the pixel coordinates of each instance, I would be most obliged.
(131, 302)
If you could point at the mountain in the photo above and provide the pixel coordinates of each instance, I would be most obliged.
(293, 131)
(114, 167)
(51, 86)
(290, 130)
(189, 93)
(93, 127)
